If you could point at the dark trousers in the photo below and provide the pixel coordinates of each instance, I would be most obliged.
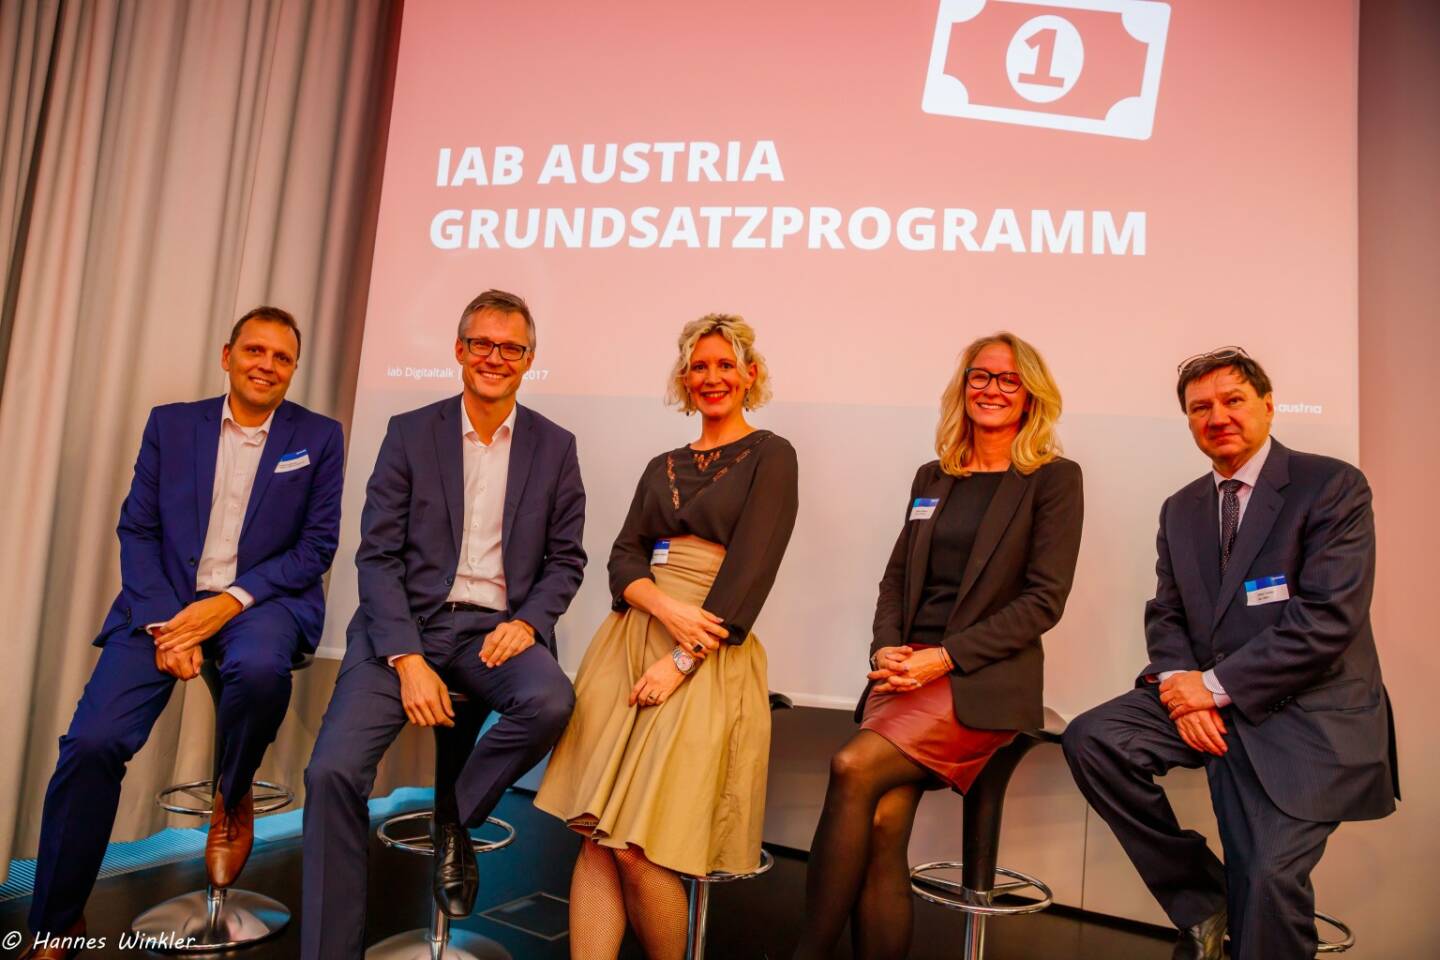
(1118, 749)
(530, 691)
(119, 707)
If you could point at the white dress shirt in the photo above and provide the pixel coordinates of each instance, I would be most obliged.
(236, 461)
(1247, 475)
(480, 575)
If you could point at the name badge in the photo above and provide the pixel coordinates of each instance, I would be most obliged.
(293, 461)
(1266, 590)
(923, 508)
(661, 554)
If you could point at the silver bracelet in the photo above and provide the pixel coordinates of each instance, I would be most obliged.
(683, 661)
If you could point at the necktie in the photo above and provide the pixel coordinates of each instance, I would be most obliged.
(1229, 519)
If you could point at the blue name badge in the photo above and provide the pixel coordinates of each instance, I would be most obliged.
(1266, 590)
(660, 555)
(293, 461)
(923, 508)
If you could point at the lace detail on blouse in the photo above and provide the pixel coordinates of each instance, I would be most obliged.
(703, 461)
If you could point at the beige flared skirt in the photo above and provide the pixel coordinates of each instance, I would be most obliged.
(683, 781)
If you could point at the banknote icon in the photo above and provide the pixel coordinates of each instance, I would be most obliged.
(1091, 66)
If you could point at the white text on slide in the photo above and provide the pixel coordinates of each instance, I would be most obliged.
(814, 228)
(736, 226)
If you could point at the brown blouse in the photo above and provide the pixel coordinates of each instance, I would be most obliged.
(742, 495)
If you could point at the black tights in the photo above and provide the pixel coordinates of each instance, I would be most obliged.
(858, 864)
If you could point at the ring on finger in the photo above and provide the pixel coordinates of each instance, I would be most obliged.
(697, 647)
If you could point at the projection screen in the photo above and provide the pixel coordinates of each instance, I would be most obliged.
(1123, 183)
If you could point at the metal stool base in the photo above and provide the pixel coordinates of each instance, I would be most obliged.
(204, 921)
(417, 945)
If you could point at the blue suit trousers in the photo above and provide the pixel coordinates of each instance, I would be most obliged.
(125, 696)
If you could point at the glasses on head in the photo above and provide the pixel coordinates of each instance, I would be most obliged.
(1219, 353)
(978, 379)
(483, 347)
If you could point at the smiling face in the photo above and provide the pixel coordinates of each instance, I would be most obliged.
(493, 379)
(1229, 420)
(990, 407)
(715, 379)
(260, 363)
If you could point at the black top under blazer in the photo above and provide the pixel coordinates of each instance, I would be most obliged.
(1013, 590)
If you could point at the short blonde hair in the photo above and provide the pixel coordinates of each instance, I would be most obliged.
(741, 337)
(1035, 445)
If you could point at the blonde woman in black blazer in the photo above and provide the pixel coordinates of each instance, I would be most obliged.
(980, 571)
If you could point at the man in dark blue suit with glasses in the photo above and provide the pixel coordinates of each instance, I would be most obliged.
(232, 519)
(470, 551)
(1263, 670)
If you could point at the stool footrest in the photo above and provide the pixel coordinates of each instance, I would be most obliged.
(1347, 936)
(947, 893)
(422, 844)
(269, 797)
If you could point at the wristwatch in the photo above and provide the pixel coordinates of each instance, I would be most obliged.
(683, 661)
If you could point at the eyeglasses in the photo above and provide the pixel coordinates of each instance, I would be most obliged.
(1219, 353)
(979, 379)
(483, 347)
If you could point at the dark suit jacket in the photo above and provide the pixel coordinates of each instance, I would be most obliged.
(288, 536)
(414, 509)
(1013, 590)
(1309, 704)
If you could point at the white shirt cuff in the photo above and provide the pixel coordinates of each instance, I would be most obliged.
(1212, 683)
(1164, 675)
(246, 601)
(150, 628)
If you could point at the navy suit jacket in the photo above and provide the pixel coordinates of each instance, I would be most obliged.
(415, 507)
(1309, 703)
(287, 539)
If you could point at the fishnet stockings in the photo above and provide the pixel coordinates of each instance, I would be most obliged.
(610, 887)
(597, 906)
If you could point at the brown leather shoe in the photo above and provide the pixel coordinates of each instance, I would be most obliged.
(61, 946)
(232, 834)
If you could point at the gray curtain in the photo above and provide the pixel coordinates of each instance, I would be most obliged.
(164, 166)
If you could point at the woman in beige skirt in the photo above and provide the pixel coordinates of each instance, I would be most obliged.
(663, 764)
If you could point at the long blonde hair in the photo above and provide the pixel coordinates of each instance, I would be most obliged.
(1035, 445)
(741, 337)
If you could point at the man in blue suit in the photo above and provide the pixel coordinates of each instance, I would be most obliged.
(1263, 670)
(231, 521)
(470, 551)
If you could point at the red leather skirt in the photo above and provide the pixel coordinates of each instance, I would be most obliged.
(921, 724)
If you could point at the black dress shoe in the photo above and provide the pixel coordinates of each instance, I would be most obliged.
(1204, 941)
(455, 879)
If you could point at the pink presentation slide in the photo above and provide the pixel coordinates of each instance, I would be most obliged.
(1121, 182)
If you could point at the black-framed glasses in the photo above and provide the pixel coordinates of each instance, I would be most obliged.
(979, 378)
(1231, 352)
(483, 347)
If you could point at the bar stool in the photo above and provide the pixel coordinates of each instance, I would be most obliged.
(439, 941)
(210, 920)
(975, 894)
(699, 892)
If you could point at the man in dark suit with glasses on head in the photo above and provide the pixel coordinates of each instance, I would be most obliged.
(1263, 670)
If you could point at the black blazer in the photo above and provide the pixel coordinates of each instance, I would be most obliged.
(1013, 589)
(1309, 704)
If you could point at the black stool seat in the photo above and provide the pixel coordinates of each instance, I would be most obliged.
(975, 893)
(211, 920)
